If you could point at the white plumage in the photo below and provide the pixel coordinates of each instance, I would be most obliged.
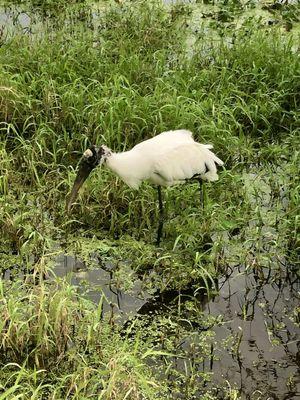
(167, 159)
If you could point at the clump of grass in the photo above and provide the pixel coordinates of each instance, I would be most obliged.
(94, 86)
(118, 78)
(61, 345)
(65, 334)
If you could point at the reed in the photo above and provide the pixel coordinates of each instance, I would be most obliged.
(113, 73)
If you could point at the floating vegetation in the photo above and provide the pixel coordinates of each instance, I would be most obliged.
(89, 306)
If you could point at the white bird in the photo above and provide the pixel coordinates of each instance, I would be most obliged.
(167, 159)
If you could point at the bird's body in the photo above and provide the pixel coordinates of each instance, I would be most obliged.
(167, 159)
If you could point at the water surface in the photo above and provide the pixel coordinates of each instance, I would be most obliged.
(256, 347)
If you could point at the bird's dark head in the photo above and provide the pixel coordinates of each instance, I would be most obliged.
(91, 158)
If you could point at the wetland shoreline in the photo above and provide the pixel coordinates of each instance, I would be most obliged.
(89, 307)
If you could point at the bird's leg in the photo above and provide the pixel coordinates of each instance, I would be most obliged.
(161, 216)
(201, 187)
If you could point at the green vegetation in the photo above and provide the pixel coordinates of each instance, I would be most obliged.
(117, 74)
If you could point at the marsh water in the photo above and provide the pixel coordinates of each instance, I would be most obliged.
(255, 346)
(254, 338)
(99, 283)
(257, 312)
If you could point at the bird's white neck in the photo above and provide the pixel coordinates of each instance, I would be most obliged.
(125, 166)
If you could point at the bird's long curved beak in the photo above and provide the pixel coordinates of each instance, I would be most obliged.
(90, 159)
(81, 177)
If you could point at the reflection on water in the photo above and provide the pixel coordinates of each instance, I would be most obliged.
(256, 348)
(206, 19)
(11, 19)
(258, 311)
(95, 283)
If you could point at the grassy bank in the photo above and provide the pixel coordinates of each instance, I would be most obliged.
(118, 74)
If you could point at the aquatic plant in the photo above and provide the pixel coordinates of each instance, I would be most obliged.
(118, 74)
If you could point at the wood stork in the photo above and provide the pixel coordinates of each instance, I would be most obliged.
(167, 159)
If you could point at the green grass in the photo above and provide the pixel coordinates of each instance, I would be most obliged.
(118, 78)
(61, 346)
